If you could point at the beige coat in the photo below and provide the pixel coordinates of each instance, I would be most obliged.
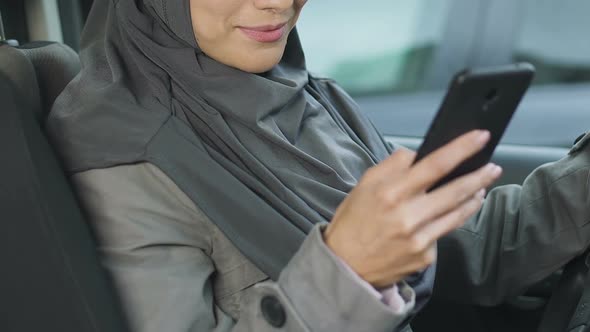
(177, 272)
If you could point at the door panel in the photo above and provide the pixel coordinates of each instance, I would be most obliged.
(551, 116)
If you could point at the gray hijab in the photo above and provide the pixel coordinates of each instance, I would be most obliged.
(268, 156)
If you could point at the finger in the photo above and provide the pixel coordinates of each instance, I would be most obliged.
(423, 245)
(443, 161)
(392, 167)
(447, 198)
(431, 232)
(418, 262)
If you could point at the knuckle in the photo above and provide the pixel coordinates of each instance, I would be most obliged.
(404, 228)
(383, 196)
(387, 198)
(417, 244)
(405, 223)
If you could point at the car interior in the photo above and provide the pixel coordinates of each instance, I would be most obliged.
(51, 276)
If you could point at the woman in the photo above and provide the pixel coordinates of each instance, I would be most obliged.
(209, 162)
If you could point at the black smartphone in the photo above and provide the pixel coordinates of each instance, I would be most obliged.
(483, 98)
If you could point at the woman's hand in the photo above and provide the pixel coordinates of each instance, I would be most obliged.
(388, 225)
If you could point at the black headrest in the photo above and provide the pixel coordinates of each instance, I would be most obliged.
(19, 70)
(55, 64)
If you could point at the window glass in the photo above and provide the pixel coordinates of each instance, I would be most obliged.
(554, 37)
(384, 47)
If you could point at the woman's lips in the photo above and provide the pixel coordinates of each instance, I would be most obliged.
(267, 33)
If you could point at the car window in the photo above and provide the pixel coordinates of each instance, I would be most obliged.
(390, 46)
(552, 36)
(382, 48)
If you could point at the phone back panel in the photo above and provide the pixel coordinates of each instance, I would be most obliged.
(482, 99)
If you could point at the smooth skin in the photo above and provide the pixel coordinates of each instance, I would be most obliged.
(217, 28)
(388, 225)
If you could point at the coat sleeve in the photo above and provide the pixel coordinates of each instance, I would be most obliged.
(156, 245)
(521, 235)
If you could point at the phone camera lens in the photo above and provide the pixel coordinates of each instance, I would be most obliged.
(492, 95)
(490, 98)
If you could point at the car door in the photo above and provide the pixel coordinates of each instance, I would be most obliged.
(397, 57)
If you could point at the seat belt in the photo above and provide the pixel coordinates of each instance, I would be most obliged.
(568, 309)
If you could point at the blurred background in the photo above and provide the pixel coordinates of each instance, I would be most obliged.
(384, 46)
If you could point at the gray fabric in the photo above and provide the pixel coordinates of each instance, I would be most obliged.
(284, 147)
(177, 272)
(521, 235)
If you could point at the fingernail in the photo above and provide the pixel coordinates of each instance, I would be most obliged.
(481, 193)
(497, 170)
(490, 168)
(483, 136)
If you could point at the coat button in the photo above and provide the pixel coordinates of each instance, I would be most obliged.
(272, 311)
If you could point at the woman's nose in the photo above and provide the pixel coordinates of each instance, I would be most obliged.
(278, 5)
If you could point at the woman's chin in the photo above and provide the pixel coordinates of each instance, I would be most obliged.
(260, 62)
(246, 57)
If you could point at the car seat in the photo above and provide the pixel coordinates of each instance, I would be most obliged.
(51, 278)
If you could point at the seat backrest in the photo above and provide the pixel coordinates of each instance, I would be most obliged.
(51, 278)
